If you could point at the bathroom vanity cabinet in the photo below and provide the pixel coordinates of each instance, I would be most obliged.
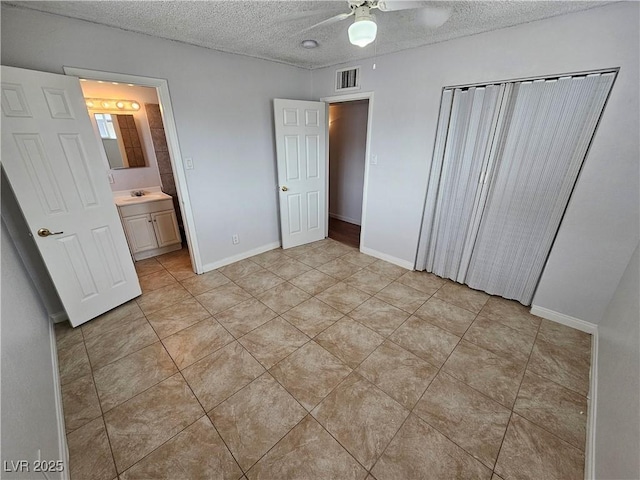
(151, 227)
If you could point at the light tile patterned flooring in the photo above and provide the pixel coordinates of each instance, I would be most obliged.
(320, 362)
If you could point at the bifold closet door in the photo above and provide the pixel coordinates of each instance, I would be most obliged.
(548, 128)
(467, 125)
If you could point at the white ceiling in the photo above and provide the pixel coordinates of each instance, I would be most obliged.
(272, 29)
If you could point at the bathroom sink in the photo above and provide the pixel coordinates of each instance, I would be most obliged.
(151, 197)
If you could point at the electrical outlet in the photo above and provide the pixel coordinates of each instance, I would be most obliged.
(235, 239)
(188, 163)
(374, 159)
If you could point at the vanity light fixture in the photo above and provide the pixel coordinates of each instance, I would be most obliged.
(107, 104)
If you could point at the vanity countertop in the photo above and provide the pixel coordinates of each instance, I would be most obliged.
(125, 198)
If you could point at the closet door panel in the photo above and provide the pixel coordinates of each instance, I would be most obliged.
(541, 151)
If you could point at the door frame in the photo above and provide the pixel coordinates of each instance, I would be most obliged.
(177, 164)
(367, 155)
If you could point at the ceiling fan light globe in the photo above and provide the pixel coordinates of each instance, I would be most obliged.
(363, 32)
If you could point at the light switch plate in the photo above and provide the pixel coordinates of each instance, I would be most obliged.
(188, 163)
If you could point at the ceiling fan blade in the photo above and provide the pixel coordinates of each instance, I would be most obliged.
(434, 17)
(329, 21)
(394, 5)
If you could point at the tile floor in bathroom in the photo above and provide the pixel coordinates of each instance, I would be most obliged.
(320, 362)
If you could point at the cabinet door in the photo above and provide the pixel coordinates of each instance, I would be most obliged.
(166, 227)
(140, 232)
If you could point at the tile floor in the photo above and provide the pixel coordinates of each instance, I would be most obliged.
(320, 362)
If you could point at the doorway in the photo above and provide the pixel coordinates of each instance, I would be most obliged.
(348, 134)
(163, 147)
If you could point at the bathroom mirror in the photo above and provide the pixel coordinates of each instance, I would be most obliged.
(120, 140)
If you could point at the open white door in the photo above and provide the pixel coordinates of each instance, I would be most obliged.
(301, 134)
(51, 156)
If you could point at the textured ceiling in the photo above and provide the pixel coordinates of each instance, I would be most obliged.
(272, 29)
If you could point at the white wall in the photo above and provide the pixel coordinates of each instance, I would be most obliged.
(139, 177)
(222, 105)
(600, 228)
(618, 408)
(29, 393)
(347, 150)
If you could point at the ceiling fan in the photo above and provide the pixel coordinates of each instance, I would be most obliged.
(363, 30)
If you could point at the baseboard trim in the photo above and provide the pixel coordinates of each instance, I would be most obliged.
(590, 448)
(241, 256)
(63, 449)
(345, 219)
(59, 317)
(563, 319)
(387, 258)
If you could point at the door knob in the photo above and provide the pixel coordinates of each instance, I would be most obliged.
(284, 189)
(45, 232)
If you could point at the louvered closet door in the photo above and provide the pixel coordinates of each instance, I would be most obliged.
(548, 130)
(461, 161)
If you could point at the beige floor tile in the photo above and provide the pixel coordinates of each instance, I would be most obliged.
(196, 342)
(127, 377)
(197, 452)
(221, 374)
(379, 316)
(563, 336)
(420, 451)
(143, 423)
(307, 452)
(205, 282)
(310, 373)
(500, 339)
(339, 268)
(177, 317)
(181, 269)
(361, 417)
(561, 365)
(173, 257)
(462, 296)
(350, 341)
(288, 268)
(445, 315)
(237, 270)
(314, 281)
(336, 248)
(312, 316)
(495, 376)
(471, 420)
(283, 297)
(73, 363)
(314, 258)
(145, 267)
(67, 336)
(273, 341)
(554, 408)
(258, 282)
(397, 372)
(405, 298)
(245, 316)
(342, 297)
(512, 314)
(297, 252)
(368, 281)
(89, 452)
(80, 403)
(156, 280)
(114, 344)
(359, 259)
(387, 269)
(269, 258)
(162, 298)
(112, 320)
(427, 341)
(530, 452)
(221, 298)
(256, 418)
(425, 282)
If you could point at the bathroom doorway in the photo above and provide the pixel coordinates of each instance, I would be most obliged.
(163, 164)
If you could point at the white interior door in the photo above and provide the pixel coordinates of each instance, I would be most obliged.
(301, 137)
(53, 161)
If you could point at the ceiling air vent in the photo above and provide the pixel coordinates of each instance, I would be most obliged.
(348, 79)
